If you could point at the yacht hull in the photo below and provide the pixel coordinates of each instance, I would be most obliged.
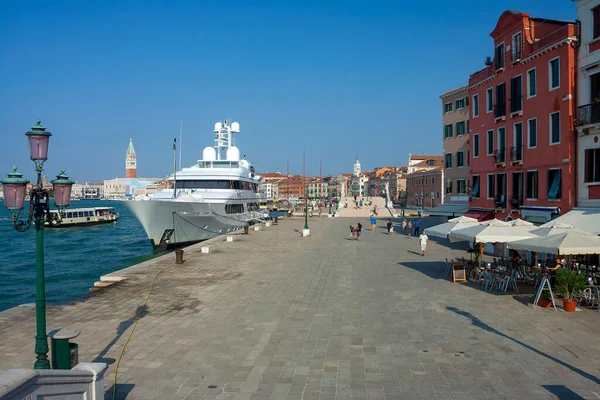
(176, 223)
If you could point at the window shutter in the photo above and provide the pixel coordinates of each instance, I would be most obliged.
(467, 101)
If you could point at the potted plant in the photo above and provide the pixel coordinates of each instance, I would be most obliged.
(488, 61)
(568, 284)
(545, 301)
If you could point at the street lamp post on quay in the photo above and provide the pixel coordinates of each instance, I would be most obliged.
(14, 188)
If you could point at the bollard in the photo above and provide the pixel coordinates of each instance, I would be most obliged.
(245, 229)
(179, 256)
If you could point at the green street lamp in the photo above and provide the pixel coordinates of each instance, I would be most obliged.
(14, 188)
(306, 230)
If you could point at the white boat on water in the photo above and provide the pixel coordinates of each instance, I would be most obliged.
(216, 196)
(81, 217)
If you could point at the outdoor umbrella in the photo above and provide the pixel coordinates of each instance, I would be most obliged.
(552, 228)
(492, 232)
(442, 230)
(568, 242)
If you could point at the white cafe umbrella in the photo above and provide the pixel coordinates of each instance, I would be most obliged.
(442, 230)
(570, 241)
(492, 232)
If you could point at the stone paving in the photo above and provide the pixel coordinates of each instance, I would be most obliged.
(273, 315)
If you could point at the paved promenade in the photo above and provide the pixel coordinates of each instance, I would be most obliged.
(273, 315)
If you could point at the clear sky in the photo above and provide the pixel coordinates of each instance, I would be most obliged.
(337, 78)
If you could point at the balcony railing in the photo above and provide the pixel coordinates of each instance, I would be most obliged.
(499, 110)
(588, 114)
(516, 202)
(516, 153)
(500, 201)
(500, 156)
(516, 103)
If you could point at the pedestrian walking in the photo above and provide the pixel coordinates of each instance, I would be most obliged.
(417, 227)
(373, 221)
(404, 226)
(419, 211)
(358, 231)
(423, 240)
(410, 227)
(352, 232)
(389, 226)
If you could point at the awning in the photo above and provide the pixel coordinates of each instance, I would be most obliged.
(480, 215)
(449, 210)
(538, 214)
(586, 219)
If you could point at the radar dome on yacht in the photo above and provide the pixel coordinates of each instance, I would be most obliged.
(235, 127)
(218, 126)
(233, 154)
(209, 154)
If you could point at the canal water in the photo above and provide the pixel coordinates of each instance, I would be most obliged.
(75, 257)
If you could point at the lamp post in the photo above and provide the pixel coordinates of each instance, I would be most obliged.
(39, 209)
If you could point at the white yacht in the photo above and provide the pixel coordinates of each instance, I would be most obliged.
(216, 196)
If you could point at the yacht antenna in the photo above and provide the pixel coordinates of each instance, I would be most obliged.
(180, 141)
(174, 166)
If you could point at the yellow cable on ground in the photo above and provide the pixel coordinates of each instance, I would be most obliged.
(137, 318)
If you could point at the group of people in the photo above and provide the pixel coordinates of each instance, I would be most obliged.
(355, 232)
(409, 228)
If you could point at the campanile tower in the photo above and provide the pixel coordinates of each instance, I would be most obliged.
(130, 162)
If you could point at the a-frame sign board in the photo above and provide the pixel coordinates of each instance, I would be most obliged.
(544, 285)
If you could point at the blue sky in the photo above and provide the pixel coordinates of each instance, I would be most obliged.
(337, 78)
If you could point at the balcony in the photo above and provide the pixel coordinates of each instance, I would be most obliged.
(516, 154)
(516, 202)
(516, 104)
(588, 114)
(500, 201)
(500, 156)
(499, 110)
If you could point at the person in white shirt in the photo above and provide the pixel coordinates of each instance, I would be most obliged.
(423, 239)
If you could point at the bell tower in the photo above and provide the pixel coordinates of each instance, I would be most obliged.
(130, 162)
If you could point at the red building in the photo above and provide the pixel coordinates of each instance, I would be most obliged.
(521, 134)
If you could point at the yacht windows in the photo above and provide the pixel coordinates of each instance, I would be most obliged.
(234, 208)
(216, 184)
(253, 207)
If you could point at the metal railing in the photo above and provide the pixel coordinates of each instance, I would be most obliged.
(499, 110)
(500, 156)
(516, 153)
(588, 114)
(516, 201)
(516, 103)
(500, 201)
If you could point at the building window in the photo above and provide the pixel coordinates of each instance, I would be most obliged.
(462, 186)
(448, 107)
(460, 103)
(447, 131)
(501, 145)
(554, 73)
(460, 128)
(448, 160)
(475, 105)
(517, 153)
(516, 96)
(532, 133)
(532, 185)
(489, 100)
(468, 128)
(555, 128)
(592, 165)
(460, 159)
(596, 17)
(554, 184)
(490, 186)
(500, 56)
(490, 142)
(475, 191)
(531, 83)
(500, 106)
(449, 186)
(517, 47)
(476, 145)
